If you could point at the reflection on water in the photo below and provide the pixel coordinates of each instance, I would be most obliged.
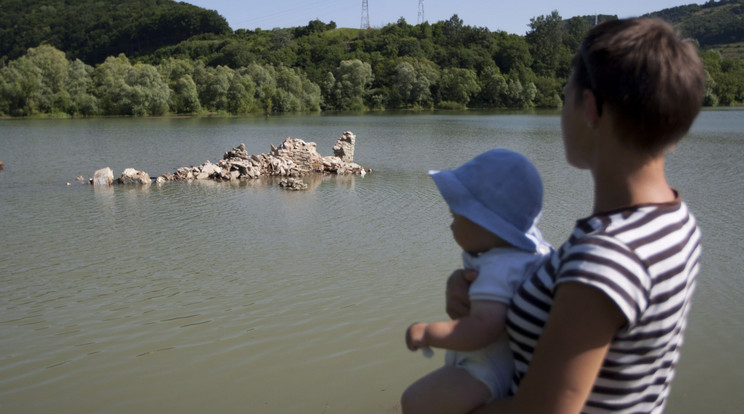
(239, 296)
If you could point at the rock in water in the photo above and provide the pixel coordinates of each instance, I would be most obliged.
(292, 184)
(104, 176)
(132, 176)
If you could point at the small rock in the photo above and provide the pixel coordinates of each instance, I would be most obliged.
(292, 184)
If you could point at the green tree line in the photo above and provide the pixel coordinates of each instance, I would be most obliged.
(321, 67)
(45, 81)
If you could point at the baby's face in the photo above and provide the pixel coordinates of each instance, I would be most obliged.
(473, 238)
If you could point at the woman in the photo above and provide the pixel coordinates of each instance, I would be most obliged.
(599, 327)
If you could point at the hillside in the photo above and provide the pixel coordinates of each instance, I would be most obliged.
(91, 30)
(150, 57)
(712, 24)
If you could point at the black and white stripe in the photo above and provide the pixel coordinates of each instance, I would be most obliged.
(646, 260)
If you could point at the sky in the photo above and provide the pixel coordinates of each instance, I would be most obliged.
(512, 16)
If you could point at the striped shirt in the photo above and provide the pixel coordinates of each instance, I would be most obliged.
(645, 259)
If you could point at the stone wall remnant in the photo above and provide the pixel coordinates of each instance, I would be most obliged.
(344, 148)
(293, 158)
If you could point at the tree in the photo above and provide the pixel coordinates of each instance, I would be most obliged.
(724, 86)
(576, 28)
(351, 81)
(238, 54)
(50, 94)
(728, 83)
(109, 85)
(546, 43)
(710, 98)
(184, 97)
(19, 82)
(304, 94)
(458, 85)
(517, 95)
(314, 27)
(494, 87)
(148, 94)
(123, 89)
(178, 74)
(241, 94)
(512, 51)
(212, 85)
(453, 30)
(53, 65)
(412, 82)
(79, 85)
(548, 93)
(265, 80)
(404, 78)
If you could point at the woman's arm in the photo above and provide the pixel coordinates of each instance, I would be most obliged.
(569, 354)
(457, 300)
(481, 327)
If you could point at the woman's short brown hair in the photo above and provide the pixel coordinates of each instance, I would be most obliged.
(651, 80)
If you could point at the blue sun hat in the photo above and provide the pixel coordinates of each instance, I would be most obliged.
(499, 190)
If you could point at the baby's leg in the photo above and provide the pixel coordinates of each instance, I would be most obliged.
(447, 390)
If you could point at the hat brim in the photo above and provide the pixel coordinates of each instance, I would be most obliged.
(462, 202)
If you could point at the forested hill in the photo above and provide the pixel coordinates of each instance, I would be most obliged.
(91, 30)
(151, 57)
(711, 24)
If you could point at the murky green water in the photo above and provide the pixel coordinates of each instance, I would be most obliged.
(223, 297)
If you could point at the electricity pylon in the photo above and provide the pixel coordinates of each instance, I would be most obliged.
(365, 15)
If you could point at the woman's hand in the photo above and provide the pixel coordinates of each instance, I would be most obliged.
(457, 300)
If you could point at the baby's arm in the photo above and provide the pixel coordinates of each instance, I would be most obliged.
(481, 327)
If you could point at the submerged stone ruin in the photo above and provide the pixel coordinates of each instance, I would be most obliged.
(293, 159)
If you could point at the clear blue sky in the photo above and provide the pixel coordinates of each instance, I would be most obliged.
(512, 16)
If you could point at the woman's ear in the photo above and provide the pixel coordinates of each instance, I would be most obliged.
(591, 114)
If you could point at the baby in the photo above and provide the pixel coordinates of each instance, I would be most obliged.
(495, 200)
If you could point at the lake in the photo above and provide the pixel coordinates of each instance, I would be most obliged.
(242, 297)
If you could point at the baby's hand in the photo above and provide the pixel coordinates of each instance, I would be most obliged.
(415, 336)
